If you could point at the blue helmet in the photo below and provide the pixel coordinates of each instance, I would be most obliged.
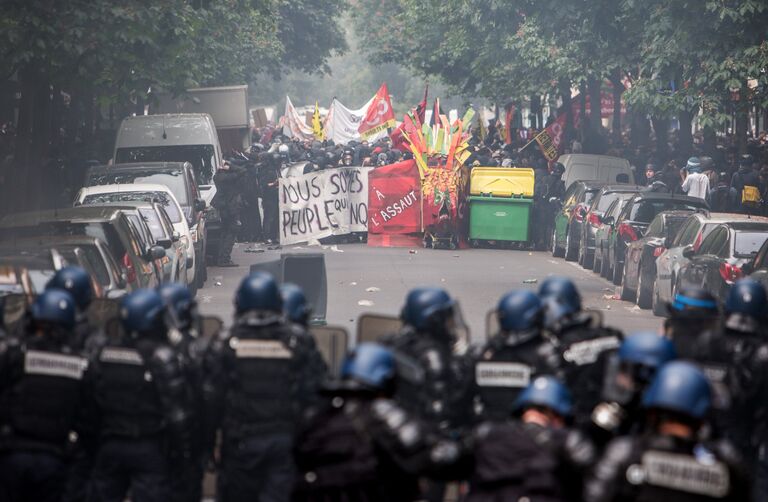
(54, 306)
(520, 310)
(295, 304)
(75, 280)
(424, 305)
(693, 165)
(178, 298)
(141, 311)
(680, 387)
(547, 392)
(258, 291)
(747, 297)
(648, 349)
(693, 302)
(369, 364)
(562, 291)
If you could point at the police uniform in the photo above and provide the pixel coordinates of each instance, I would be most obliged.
(269, 175)
(228, 202)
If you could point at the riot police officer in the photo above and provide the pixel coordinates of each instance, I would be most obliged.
(629, 373)
(693, 314)
(295, 306)
(437, 386)
(77, 282)
(548, 196)
(656, 179)
(583, 341)
(668, 462)
(272, 373)
(41, 392)
(359, 444)
(535, 456)
(507, 363)
(269, 176)
(228, 201)
(140, 391)
(192, 346)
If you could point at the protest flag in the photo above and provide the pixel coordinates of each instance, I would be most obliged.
(380, 115)
(317, 126)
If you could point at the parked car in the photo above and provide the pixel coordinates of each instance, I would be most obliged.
(640, 262)
(592, 220)
(582, 166)
(110, 225)
(637, 214)
(758, 268)
(604, 233)
(180, 178)
(145, 193)
(718, 263)
(690, 236)
(566, 235)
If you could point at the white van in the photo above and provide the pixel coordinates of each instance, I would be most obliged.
(180, 137)
(582, 167)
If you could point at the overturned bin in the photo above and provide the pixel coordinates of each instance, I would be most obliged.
(500, 204)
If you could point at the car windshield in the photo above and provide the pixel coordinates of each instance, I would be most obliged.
(153, 222)
(748, 243)
(605, 201)
(99, 230)
(90, 253)
(173, 179)
(589, 196)
(200, 156)
(159, 197)
(645, 211)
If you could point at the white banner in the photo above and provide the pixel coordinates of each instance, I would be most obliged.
(323, 203)
(342, 124)
(293, 125)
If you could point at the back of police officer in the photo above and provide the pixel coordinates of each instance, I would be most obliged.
(534, 456)
(508, 362)
(76, 281)
(693, 318)
(433, 383)
(140, 391)
(41, 390)
(273, 370)
(667, 461)
(359, 445)
(583, 342)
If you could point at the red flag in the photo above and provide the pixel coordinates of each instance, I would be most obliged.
(436, 112)
(380, 115)
(398, 142)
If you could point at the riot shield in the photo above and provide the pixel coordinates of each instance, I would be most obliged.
(14, 307)
(102, 310)
(374, 327)
(332, 342)
(210, 326)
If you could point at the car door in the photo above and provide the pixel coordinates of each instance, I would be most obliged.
(760, 266)
(564, 215)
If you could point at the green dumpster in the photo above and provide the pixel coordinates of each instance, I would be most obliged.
(499, 218)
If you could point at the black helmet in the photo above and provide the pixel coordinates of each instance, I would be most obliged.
(558, 168)
(707, 164)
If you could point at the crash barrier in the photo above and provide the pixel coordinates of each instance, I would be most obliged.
(306, 270)
(500, 204)
(323, 203)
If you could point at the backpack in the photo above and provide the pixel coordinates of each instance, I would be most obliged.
(750, 196)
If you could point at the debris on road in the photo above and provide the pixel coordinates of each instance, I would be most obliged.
(372, 289)
(336, 249)
(412, 251)
(253, 250)
(530, 281)
(353, 283)
(455, 256)
(217, 283)
(612, 297)
(365, 303)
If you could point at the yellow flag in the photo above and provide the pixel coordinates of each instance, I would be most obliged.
(317, 126)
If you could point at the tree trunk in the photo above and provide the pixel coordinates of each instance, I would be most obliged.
(618, 90)
(710, 141)
(742, 120)
(640, 129)
(536, 111)
(685, 137)
(661, 129)
(595, 117)
(564, 86)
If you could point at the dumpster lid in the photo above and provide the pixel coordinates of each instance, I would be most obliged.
(501, 181)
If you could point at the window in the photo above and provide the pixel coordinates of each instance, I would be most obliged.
(200, 156)
(687, 233)
(656, 228)
(159, 197)
(589, 195)
(153, 222)
(760, 259)
(605, 200)
(673, 225)
(714, 241)
(174, 179)
(748, 243)
(646, 210)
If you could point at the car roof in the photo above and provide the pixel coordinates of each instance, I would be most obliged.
(126, 205)
(591, 183)
(677, 212)
(75, 214)
(125, 188)
(746, 225)
(726, 217)
(139, 166)
(622, 188)
(50, 241)
(668, 196)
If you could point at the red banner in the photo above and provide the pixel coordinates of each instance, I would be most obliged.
(380, 115)
(394, 199)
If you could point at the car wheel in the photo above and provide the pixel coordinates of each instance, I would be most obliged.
(617, 273)
(570, 252)
(644, 293)
(656, 305)
(557, 252)
(626, 294)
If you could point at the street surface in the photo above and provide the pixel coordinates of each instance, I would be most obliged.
(477, 277)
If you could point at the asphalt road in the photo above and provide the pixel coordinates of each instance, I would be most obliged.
(364, 279)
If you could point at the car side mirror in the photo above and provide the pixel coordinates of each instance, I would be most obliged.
(609, 220)
(668, 242)
(689, 252)
(156, 253)
(176, 236)
(200, 205)
(747, 268)
(165, 243)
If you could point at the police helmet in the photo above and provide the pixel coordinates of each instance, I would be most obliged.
(520, 310)
(370, 365)
(560, 292)
(747, 297)
(426, 307)
(141, 311)
(258, 291)
(76, 281)
(693, 302)
(546, 392)
(295, 304)
(679, 387)
(693, 165)
(54, 306)
(647, 348)
(178, 298)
